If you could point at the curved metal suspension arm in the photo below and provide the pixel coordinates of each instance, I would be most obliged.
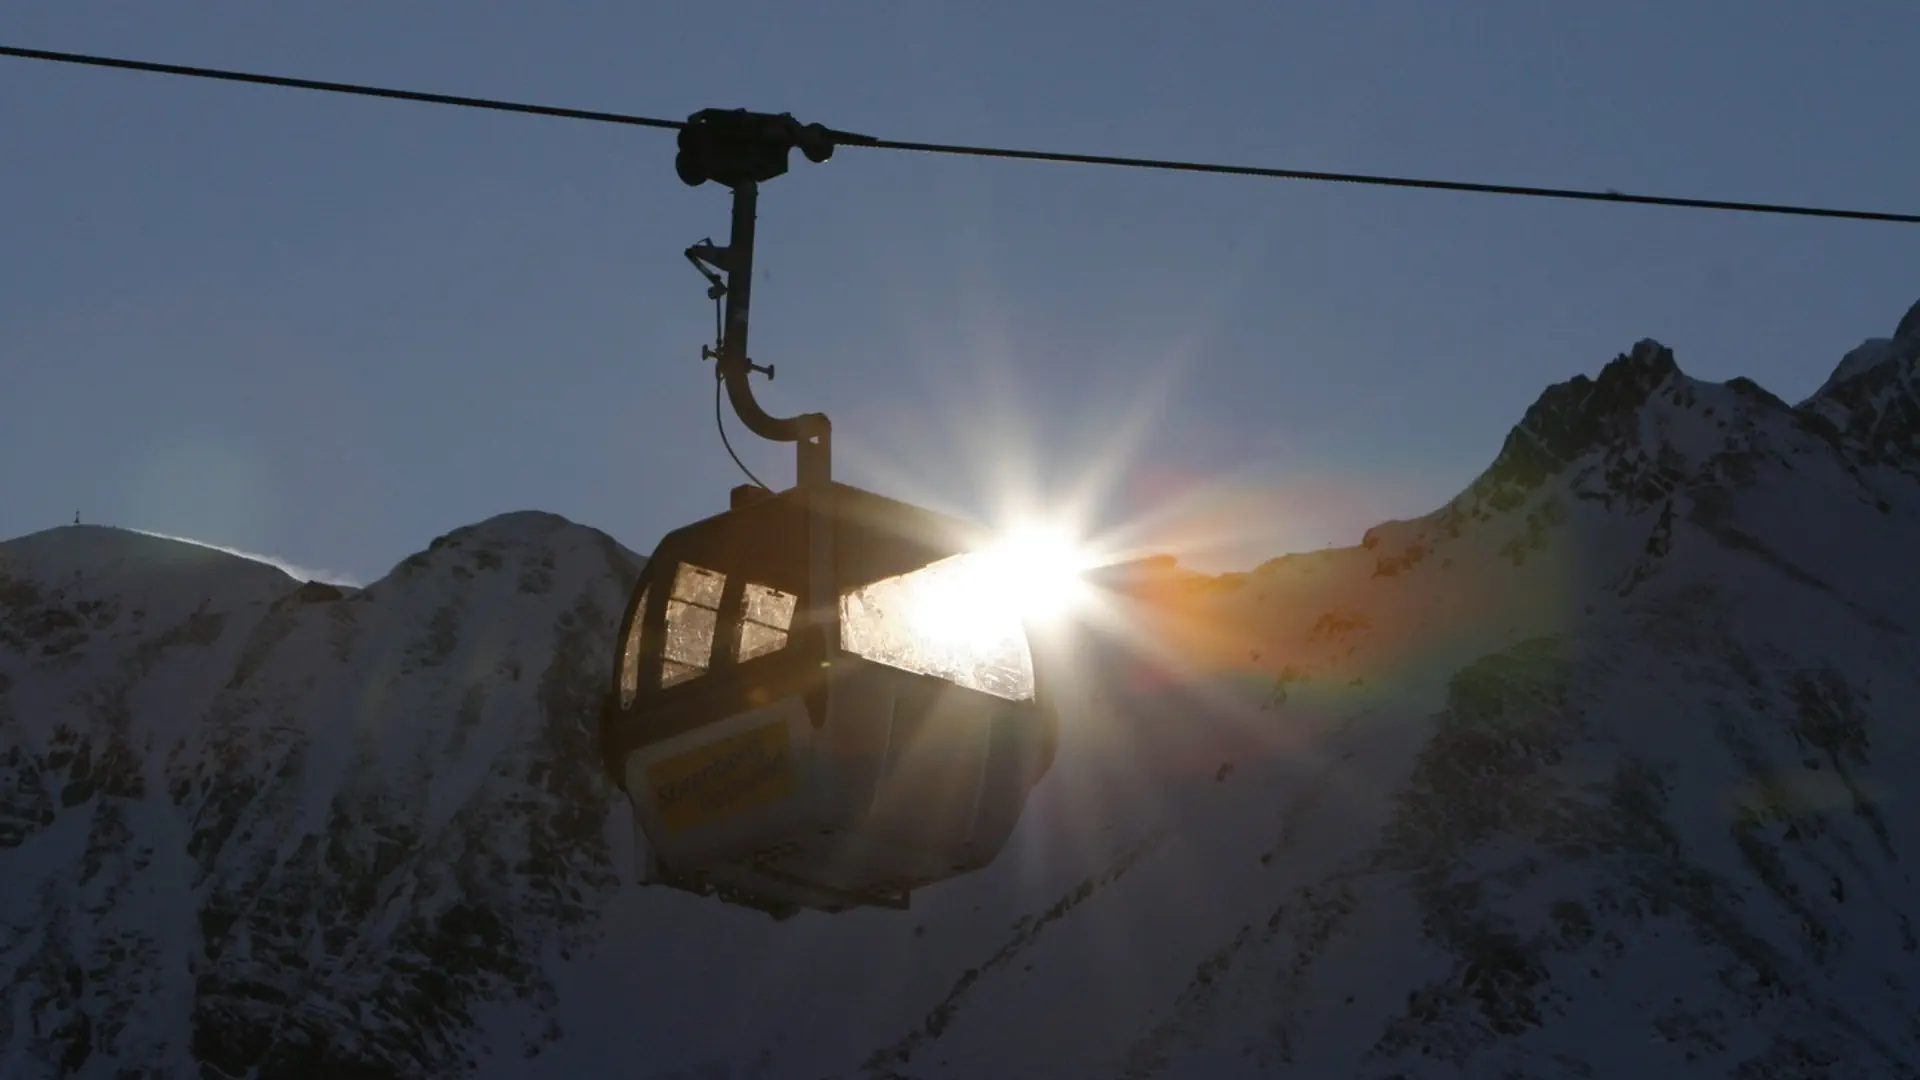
(773, 428)
(812, 433)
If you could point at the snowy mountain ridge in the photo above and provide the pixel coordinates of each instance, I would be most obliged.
(1598, 769)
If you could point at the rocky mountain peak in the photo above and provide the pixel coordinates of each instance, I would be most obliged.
(1573, 418)
(105, 552)
(1909, 328)
(526, 543)
(1870, 405)
(1643, 427)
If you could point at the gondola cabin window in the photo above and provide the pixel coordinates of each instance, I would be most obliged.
(946, 620)
(693, 614)
(630, 654)
(765, 622)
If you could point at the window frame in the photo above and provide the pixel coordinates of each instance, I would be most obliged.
(634, 645)
(970, 677)
(714, 630)
(730, 620)
(742, 620)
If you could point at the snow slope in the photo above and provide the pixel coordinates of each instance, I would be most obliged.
(1598, 770)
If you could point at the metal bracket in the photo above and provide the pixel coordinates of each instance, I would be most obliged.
(741, 150)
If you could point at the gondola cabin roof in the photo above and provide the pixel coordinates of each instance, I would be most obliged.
(765, 538)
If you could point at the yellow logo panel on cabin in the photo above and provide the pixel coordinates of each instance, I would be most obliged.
(723, 778)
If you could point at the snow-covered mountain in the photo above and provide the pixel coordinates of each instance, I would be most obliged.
(1599, 770)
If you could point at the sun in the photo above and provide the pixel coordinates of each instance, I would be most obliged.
(986, 602)
(1036, 570)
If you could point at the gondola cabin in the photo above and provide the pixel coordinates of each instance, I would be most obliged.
(823, 700)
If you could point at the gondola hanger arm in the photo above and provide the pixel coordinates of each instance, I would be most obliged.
(740, 150)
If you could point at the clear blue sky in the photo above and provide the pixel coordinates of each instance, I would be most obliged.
(329, 329)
